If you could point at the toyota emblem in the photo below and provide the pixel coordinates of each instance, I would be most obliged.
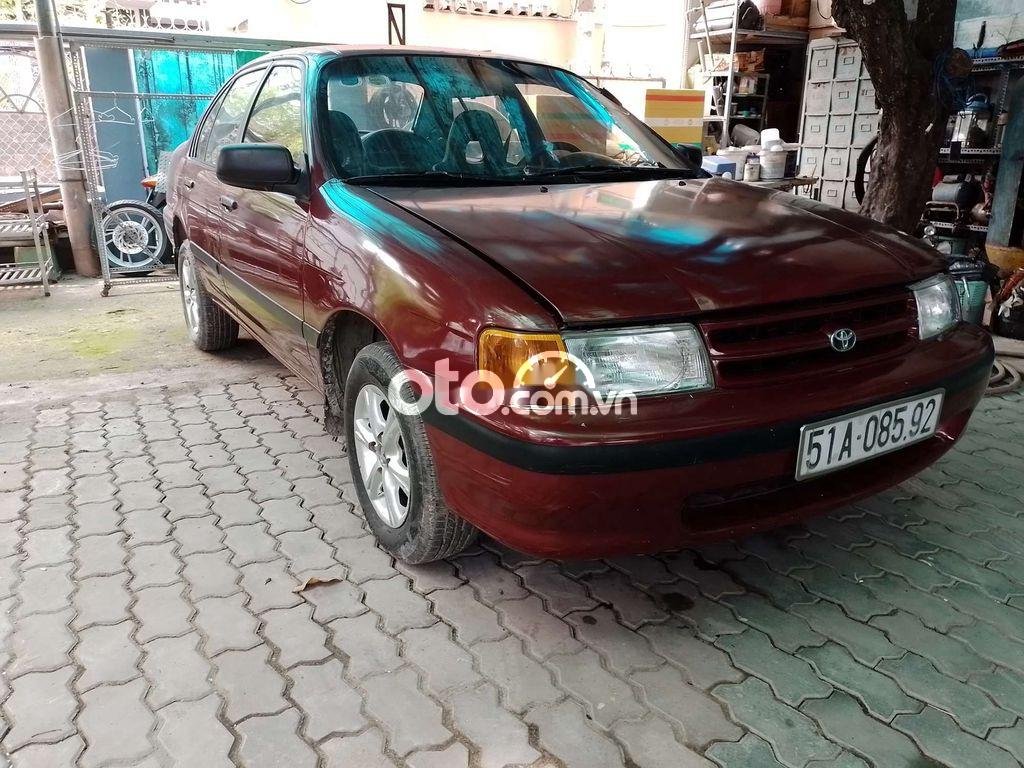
(842, 340)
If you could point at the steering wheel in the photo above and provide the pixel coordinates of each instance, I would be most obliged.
(591, 160)
(563, 146)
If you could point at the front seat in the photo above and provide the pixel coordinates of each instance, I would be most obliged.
(390, 150)
(477, 126)
(345, 145)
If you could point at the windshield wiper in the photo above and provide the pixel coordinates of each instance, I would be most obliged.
(590, 173)
(431, 178)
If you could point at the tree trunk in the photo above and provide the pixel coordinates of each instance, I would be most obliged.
(902, 56)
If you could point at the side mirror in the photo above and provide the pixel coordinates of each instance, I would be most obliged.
(690, 153)
(256, 166)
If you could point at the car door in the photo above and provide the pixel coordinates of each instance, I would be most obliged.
(263, 238)
(198, 182)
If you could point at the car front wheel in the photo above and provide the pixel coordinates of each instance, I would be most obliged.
(393, 468)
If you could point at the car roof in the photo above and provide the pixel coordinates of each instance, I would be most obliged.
(342, 51)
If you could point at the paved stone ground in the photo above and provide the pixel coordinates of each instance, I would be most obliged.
(152, 544)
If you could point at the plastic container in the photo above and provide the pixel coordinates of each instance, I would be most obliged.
(752, 170)
(734, 155)
(773, 163)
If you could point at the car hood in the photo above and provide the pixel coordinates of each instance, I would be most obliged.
(641, 250)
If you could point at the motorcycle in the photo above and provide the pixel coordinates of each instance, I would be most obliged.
(134, 237)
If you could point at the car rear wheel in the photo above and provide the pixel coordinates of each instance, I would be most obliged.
(210, 327)
(393, 468)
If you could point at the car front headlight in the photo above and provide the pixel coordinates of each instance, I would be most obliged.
(938, 306)
(644, 361)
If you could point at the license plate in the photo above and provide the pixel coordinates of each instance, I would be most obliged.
(836, 443)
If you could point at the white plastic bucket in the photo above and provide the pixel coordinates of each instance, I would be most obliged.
(773, 164)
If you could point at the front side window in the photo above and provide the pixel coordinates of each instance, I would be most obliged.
(482, 120)
(277, 114)
(225, 123)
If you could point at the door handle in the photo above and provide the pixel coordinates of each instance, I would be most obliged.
(188, 183)
(228, 203)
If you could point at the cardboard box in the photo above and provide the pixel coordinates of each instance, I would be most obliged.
(676, 115)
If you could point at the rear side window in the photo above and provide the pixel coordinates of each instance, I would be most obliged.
(277, 114)
(224, 125)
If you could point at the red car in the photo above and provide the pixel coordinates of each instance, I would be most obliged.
(531, 316)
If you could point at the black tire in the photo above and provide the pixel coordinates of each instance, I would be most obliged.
(210, 327)
(430, 530)
(158, 244)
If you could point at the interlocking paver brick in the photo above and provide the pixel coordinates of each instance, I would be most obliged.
(101, 600)
(307, 550)
(694, 712)
(269, 484)
(333, 600)
(269, 586)
(365, 560)
(948, 654)
(879, 695)
(993, 644)
(522, 681)
(971, 709)
(920, 573)
(176, 474)
(198, 535)
(490, 581)
(115, 724)
(791, 679)
(162, 612)
(369, 650)
(210, 574)
(987, 580)
(429, 577)
(226, 624)
(560, 593)
(97, 518)
(623, 649)
(794, 738)
(543, 633)
(643, 571)
(176, 670)
(283, 515)
(107, 655)
(748, 752)
(192, 735)
(1005, 686)
(251, 544)
(931, 609)
(330, 703)
(702, 664)
(444, 665)
(47, 547)
(501, 738)
(1010, 739)
(45, 589)
(709, 578)
(249, 684)
(787, 631)
(855, 598)
(188, 501)
(100, 555)
(143, 494)
(842, 720)
(235, 509)
(47, 512)
(606, 697)
(412, 719)
(41, 643)
(49, 755)
(365, 750)
(710, 618)
(271, 741)
(633, 606)
(338, 522)
(221, 480)
(297, 637)
(866, 643)
(154, 565)
(30, 721)
(562, 730)
(472, 620)
(397, 605)
(651, 743)
(454, 756)
(939, 738)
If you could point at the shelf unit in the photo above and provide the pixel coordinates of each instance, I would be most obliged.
(732, 37)
(760, 96)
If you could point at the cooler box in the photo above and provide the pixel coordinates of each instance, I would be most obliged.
(717, 166)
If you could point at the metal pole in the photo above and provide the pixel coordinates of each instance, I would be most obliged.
(53, 76)
(726, 119)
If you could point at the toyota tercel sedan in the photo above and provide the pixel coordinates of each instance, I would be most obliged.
(531, 316)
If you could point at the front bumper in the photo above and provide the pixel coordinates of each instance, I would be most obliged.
(647, 492)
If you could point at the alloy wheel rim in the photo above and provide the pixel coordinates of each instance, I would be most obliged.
(381, 455)
(133, 238)
(188, 295)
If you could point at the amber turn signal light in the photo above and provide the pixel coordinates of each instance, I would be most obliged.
(525, 359)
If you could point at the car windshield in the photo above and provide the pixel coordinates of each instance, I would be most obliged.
(441, 119)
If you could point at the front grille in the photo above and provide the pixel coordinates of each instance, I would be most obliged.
(790, 341)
